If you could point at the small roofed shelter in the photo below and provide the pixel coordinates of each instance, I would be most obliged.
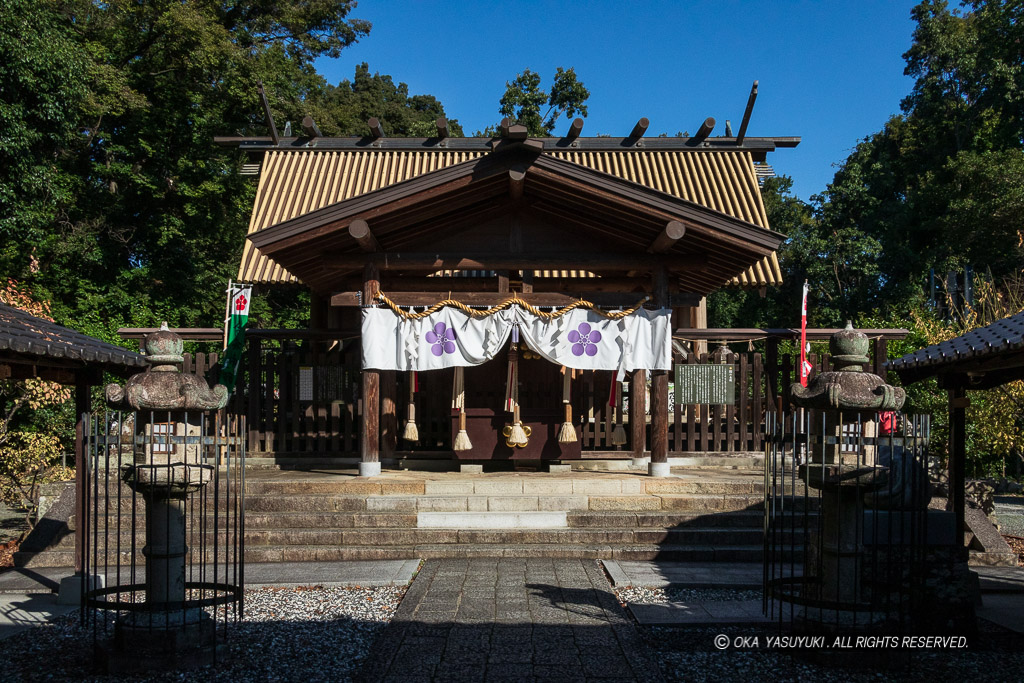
(984, 358)
(34, 348)
(621, 224)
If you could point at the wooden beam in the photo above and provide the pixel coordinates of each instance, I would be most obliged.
(604, 299)
(442, 127)
(516, 183)
(640, 128)
(517, 132)
(672, 233)
(310, 128)
(754, 333)
(186, 333)
(266, 113)
(504, 126)
(705, 128)
(574, 129)
(746, 114)
(31, 371)
(484, 298)
(505, 261)
(376, 130)
(359, 230)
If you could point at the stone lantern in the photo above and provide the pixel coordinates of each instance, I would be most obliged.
(171, 412)
(843, 464)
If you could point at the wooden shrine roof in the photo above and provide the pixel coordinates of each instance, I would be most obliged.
(26, 340)
(622, 219)
(296, 182)
(988, 356)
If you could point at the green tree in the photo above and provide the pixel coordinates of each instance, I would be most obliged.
(523, 100)
(939, 186)
(148, 217)
(345, 108)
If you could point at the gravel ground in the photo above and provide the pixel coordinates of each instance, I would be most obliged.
(638, 595)
(288, 634)
(1010, 514)
(689, 653)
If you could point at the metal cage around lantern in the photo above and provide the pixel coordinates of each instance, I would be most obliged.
(164, 531)
(850, 542)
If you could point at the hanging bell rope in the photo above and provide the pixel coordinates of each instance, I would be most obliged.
(516, 435)
(615, 402)
(514, 300)
(462, 442)
(411, 432)
(567, 434)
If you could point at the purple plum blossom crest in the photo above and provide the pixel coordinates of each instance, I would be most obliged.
(442, 338)
(584, 340)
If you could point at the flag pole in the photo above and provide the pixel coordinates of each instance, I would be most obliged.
(227, 315)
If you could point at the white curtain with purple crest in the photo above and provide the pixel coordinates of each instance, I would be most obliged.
(579, 339)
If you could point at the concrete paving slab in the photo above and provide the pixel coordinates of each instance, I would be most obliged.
(694, 613)
(1004, 609)
(19, 612)
(1001, 579)
(661, 574)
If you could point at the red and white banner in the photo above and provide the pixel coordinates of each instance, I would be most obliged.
(805, 367)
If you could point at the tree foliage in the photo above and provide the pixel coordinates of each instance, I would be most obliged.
(524, 98)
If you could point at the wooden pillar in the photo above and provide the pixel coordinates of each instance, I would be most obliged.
(958, 403)
(638, 414)
(388, 413)
(659, 391)
(881, 356)
(771, 374)
(82, 406)
(370, 444)
(318, 307)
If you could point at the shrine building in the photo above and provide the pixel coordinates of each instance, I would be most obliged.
(506, 300)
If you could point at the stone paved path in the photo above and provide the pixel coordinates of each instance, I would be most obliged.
(504, 619)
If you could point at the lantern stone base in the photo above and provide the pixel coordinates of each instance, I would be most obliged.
(167, 645)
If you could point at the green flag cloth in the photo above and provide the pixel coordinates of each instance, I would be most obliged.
(238, 318)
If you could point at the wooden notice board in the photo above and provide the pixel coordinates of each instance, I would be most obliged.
(705, 383)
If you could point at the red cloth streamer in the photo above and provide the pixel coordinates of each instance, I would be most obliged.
(415, 381)
(805, 367)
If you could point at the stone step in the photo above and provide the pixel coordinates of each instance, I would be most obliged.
(531, 530)
(325, 553)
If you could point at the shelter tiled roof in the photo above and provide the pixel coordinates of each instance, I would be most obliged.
(29, 337)
(976, 347)
(293, 183)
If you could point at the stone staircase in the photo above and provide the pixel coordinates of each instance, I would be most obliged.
(321, 516)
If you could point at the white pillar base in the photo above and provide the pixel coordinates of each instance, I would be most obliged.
(659, 469)
(640, 463)
(369, 469)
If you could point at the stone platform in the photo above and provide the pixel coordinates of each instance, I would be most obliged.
(706, 515)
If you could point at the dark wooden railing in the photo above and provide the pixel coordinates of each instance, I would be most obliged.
(300, 402)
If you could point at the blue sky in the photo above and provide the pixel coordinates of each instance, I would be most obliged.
(831, 72)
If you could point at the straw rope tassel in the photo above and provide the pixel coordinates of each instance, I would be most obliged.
(411, 432)
(462, 442)
(516, 436)
(567, 434)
